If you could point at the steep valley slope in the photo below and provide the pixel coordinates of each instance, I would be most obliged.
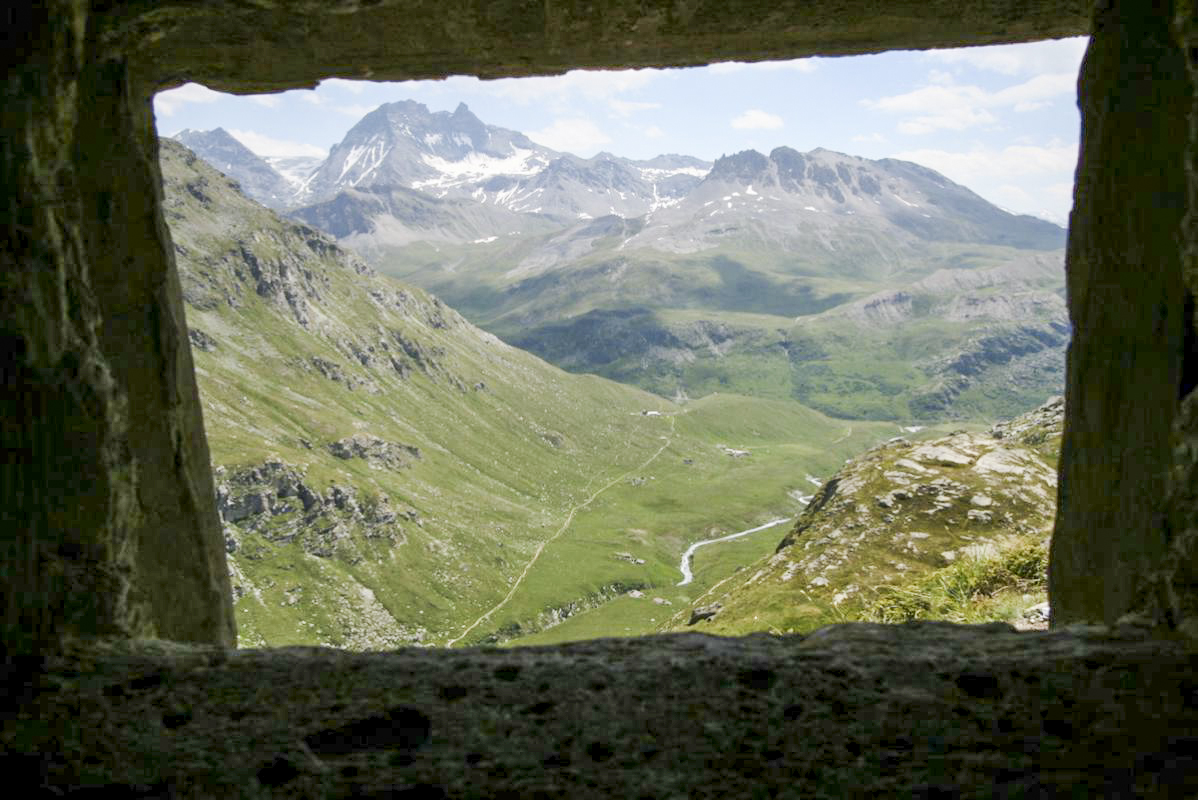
(389, 474)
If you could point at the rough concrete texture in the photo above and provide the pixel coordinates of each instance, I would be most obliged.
(180, 560)
(1127, 301)
(287, 43)
(109, 514)
(108, 504)
(921, 710)
(68, 508)
(1169, 597)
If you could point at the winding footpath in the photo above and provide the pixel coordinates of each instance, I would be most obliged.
(564, 527)
(684, 566)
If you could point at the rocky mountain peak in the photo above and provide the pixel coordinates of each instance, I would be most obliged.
(257, 178)
(743, 167)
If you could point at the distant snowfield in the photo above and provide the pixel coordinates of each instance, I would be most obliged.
(656, 174)
(479, 167)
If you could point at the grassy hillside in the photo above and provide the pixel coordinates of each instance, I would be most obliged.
(390, 474)
(768, 323)
(908, 529)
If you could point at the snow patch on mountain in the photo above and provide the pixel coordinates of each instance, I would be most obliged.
(477, 167)
(655, 174)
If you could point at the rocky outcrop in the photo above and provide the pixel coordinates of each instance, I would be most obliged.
(201, 340)
(1020, 359)
(377, 453)
(898, 511)
(999, 348)
(704, 612)
(274, 501)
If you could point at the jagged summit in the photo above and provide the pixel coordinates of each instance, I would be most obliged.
(404, 144)
(795, 200)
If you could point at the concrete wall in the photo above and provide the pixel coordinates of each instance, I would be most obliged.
(107, 501)
(1127, 366)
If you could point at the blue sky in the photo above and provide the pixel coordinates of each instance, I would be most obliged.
(1001, 120)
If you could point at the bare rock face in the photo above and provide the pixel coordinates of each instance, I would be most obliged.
(378, 453)
(273, 500)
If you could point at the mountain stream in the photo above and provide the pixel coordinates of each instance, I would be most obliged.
(684, 566)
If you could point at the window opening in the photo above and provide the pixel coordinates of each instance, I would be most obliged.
(773, 267)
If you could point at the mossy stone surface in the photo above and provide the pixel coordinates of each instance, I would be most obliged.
(916, 710)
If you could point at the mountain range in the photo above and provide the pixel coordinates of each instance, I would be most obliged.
(389, 474)
(762, 274)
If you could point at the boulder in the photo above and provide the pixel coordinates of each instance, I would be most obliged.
(704, 612)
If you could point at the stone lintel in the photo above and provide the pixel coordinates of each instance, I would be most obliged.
(919, 710)
(258, 47)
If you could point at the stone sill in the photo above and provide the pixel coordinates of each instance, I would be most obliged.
(916, 710)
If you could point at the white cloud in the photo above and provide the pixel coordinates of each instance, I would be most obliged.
(1024, 179)
(1038, 90)
(268, 146)
(1052, 202)
(872, 137)
(593, 84)
(653, 132)
(757, 120)
(989, 162)
(268, 100)
(949, 106)
(353, 87)
(311, 97)
(953, 119)
(354, 110)
(576, 135)
(1060, 55)
(168, 102)
(625, 107)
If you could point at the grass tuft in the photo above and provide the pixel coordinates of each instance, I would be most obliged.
(983, 586)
